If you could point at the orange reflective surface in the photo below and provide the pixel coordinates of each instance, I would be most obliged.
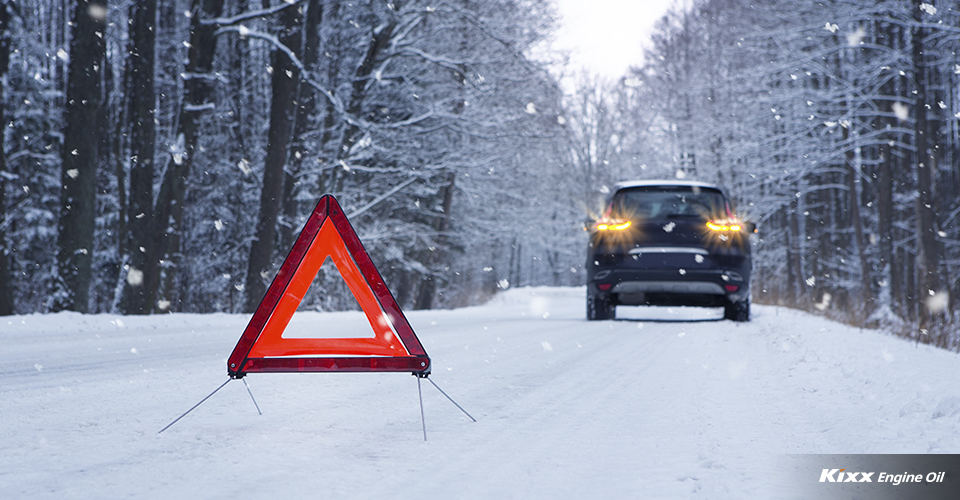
(327, 243)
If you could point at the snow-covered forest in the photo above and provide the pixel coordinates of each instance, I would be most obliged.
(837, 126)
(162, 156)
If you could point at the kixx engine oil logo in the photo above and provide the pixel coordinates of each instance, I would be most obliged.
(841, 476)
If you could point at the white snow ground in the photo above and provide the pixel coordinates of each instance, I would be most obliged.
(651, 407)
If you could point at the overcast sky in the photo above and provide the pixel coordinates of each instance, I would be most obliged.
(607, 36)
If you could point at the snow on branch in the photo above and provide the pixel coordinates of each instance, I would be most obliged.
(196, 108)
(307, 77)
(30, 154)
(382, 197)
(246, 16)
(441, 61)
(214, 77)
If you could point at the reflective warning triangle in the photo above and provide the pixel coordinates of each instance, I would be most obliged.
(262, 347)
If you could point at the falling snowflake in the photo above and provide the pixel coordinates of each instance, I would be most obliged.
(244, 166)
(856, 38)
(97, 12)
(669, 227)
(937, 302)
(824, 302)
(928, 8)
(134, 277)
(832, 28)
(901, 110)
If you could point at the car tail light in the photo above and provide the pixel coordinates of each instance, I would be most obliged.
(732, 288)
(724, 226)
(613, 225)
(604, 286)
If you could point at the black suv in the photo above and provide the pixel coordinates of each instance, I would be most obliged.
(671, 243)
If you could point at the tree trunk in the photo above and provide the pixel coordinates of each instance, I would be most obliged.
(6, 282)
(428, 288)
(325, 184)
(794, 254)
(78, 171)
(197, 93)
(285, 81)
(379, 41)
(927, 256)
(307, 104)
(865, 307)
(887, 36)
(139, 289)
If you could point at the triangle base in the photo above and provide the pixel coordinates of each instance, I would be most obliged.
(418, 365)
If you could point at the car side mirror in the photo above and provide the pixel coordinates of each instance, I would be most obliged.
(750, 227)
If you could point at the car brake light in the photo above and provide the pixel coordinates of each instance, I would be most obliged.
(723, 226)
(731, 288)
(612, 226)
(604, 286)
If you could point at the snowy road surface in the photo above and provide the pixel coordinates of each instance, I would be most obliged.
(645, 407)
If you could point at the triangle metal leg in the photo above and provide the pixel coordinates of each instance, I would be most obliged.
(422, 419)
(251, 396)
(195, 406)
(451, 399)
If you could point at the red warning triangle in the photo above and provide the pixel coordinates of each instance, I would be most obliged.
(262, 347)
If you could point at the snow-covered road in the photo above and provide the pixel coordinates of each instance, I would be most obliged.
(673, 403)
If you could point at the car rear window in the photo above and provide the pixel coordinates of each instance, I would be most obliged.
(665, 202)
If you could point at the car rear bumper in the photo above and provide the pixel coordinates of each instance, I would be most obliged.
(698, 287)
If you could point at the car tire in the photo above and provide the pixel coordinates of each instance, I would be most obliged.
(600, 308)
(737, 311)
